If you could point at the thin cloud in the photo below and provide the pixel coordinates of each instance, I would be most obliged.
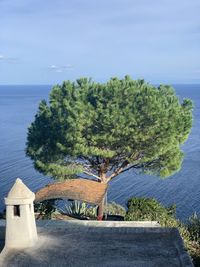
(12, 59)
(68, 66)
(62, 68)
(59, 70)
(53, 67)
(8, 59)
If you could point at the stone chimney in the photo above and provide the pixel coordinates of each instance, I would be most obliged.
(20, 220)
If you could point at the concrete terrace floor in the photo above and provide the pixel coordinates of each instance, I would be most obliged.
(87, 243)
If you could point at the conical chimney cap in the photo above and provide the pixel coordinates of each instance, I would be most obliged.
(20, 191)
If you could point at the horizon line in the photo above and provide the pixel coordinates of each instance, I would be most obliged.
(48, 84)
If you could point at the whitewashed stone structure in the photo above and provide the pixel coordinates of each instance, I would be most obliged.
(20, 221)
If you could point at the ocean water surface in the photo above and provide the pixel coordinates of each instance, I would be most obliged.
(18, 105)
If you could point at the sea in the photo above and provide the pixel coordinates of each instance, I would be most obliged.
(18, 106)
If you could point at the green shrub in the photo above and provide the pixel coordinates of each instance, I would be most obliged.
(75, 208)
(148, 209)
(45, 208)
(80, 209)
(114, 209)
(145, 209)
(194, 227)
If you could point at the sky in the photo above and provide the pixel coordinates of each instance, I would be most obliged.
(46, 42)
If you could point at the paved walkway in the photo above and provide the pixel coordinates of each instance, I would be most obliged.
(113, 244)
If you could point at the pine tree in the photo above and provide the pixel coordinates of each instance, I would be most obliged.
(105, 129)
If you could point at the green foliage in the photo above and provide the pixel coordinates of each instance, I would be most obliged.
(80, 209)
(75, 208)
(46, 208)
(194, 227)
(91, 212)
(114, 209)
(150, 209)
(106, 128)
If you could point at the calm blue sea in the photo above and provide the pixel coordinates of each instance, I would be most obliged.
(18, 105)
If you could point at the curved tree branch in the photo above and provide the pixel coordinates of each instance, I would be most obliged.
(92, 174)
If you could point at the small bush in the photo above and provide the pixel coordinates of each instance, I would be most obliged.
(150, 209)
(114, 209)
(45, 209)
(81, 209)
(147, 209)
(194, 227)
(144, 209)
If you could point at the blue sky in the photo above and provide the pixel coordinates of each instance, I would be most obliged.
(46, 42)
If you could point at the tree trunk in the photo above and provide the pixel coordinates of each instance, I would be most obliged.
(100, 209)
